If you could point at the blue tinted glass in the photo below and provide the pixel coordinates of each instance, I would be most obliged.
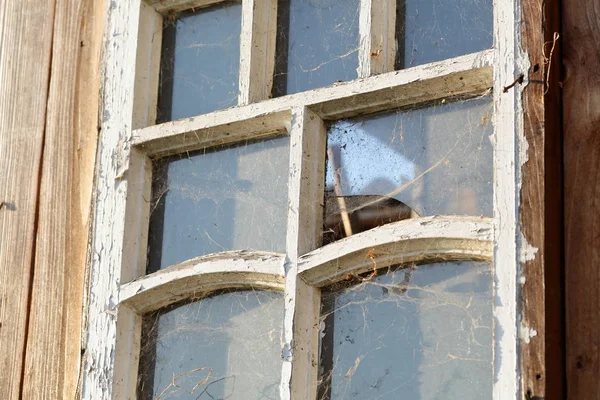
(423, 333)
(230, 198)
(317, 44)
(200, 61)
(226, 346)
(434, 30)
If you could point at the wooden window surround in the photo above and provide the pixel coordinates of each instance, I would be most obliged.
(121, 292)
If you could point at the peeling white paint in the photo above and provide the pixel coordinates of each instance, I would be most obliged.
(527, 251)
(526, 333)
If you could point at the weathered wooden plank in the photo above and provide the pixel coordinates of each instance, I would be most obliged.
(205, 273)
(470, 74)
(581, 97)
(428, 238)
(305, 221)
(542, 371)
(26, 43)
(64, 213)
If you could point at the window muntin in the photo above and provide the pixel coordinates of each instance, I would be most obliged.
(220, 199)
(433, 30)
(213, 348)
(410, 333)
(408, 163)
(317, 44)
(414, 86)
(200, 61)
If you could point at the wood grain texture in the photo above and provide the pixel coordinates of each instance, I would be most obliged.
(542, 371)
(26, 45)
(64, 212)
(581, 97)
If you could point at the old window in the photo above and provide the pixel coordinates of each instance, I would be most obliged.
(292, 192)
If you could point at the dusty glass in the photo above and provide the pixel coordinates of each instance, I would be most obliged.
(227, 198)
(225, 346)
(422, 332)
(317, 44)
(200, 61)
(434, 30)
(409, 163)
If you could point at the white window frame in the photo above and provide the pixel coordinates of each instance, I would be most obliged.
(120, 292)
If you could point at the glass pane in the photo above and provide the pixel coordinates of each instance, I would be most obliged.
(434, 30)
(402, 164)
(200, 61)
(422, 332)
(228, 198)
(317, 44)
(226, 346)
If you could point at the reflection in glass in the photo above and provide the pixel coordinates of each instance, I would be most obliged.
(200, 61)
(434, 30)
(317, 44)
(225, 346)
(422, 332)
(228, 198)
(392, 166)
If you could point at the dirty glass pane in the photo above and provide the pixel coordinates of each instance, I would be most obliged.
(403, 164)
(228, 198)
(200, 61)
(225, 346)
(434, 30)
(317, 44)
(422, 333)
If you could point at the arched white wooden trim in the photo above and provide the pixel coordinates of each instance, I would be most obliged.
(232, 269)
(434, 238)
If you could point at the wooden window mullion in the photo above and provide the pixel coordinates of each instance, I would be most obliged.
(257, 50)
(305, 215)
(377, 37)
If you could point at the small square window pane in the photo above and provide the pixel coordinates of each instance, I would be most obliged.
(227, 198)
(225, 346)
(317, 44)
(200, 61)
(422, 332)
(409, 163)
(434, 30)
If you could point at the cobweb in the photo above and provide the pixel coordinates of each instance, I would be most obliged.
(225, 345)
(415, 332)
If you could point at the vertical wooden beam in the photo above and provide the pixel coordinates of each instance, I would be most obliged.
(147, 69)
(581, 97)
(257, 50)
(26, 42)
(541, 325)
(114, 182)
(305, 225)
(508, 135)
(64, 213)
(377, 37)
